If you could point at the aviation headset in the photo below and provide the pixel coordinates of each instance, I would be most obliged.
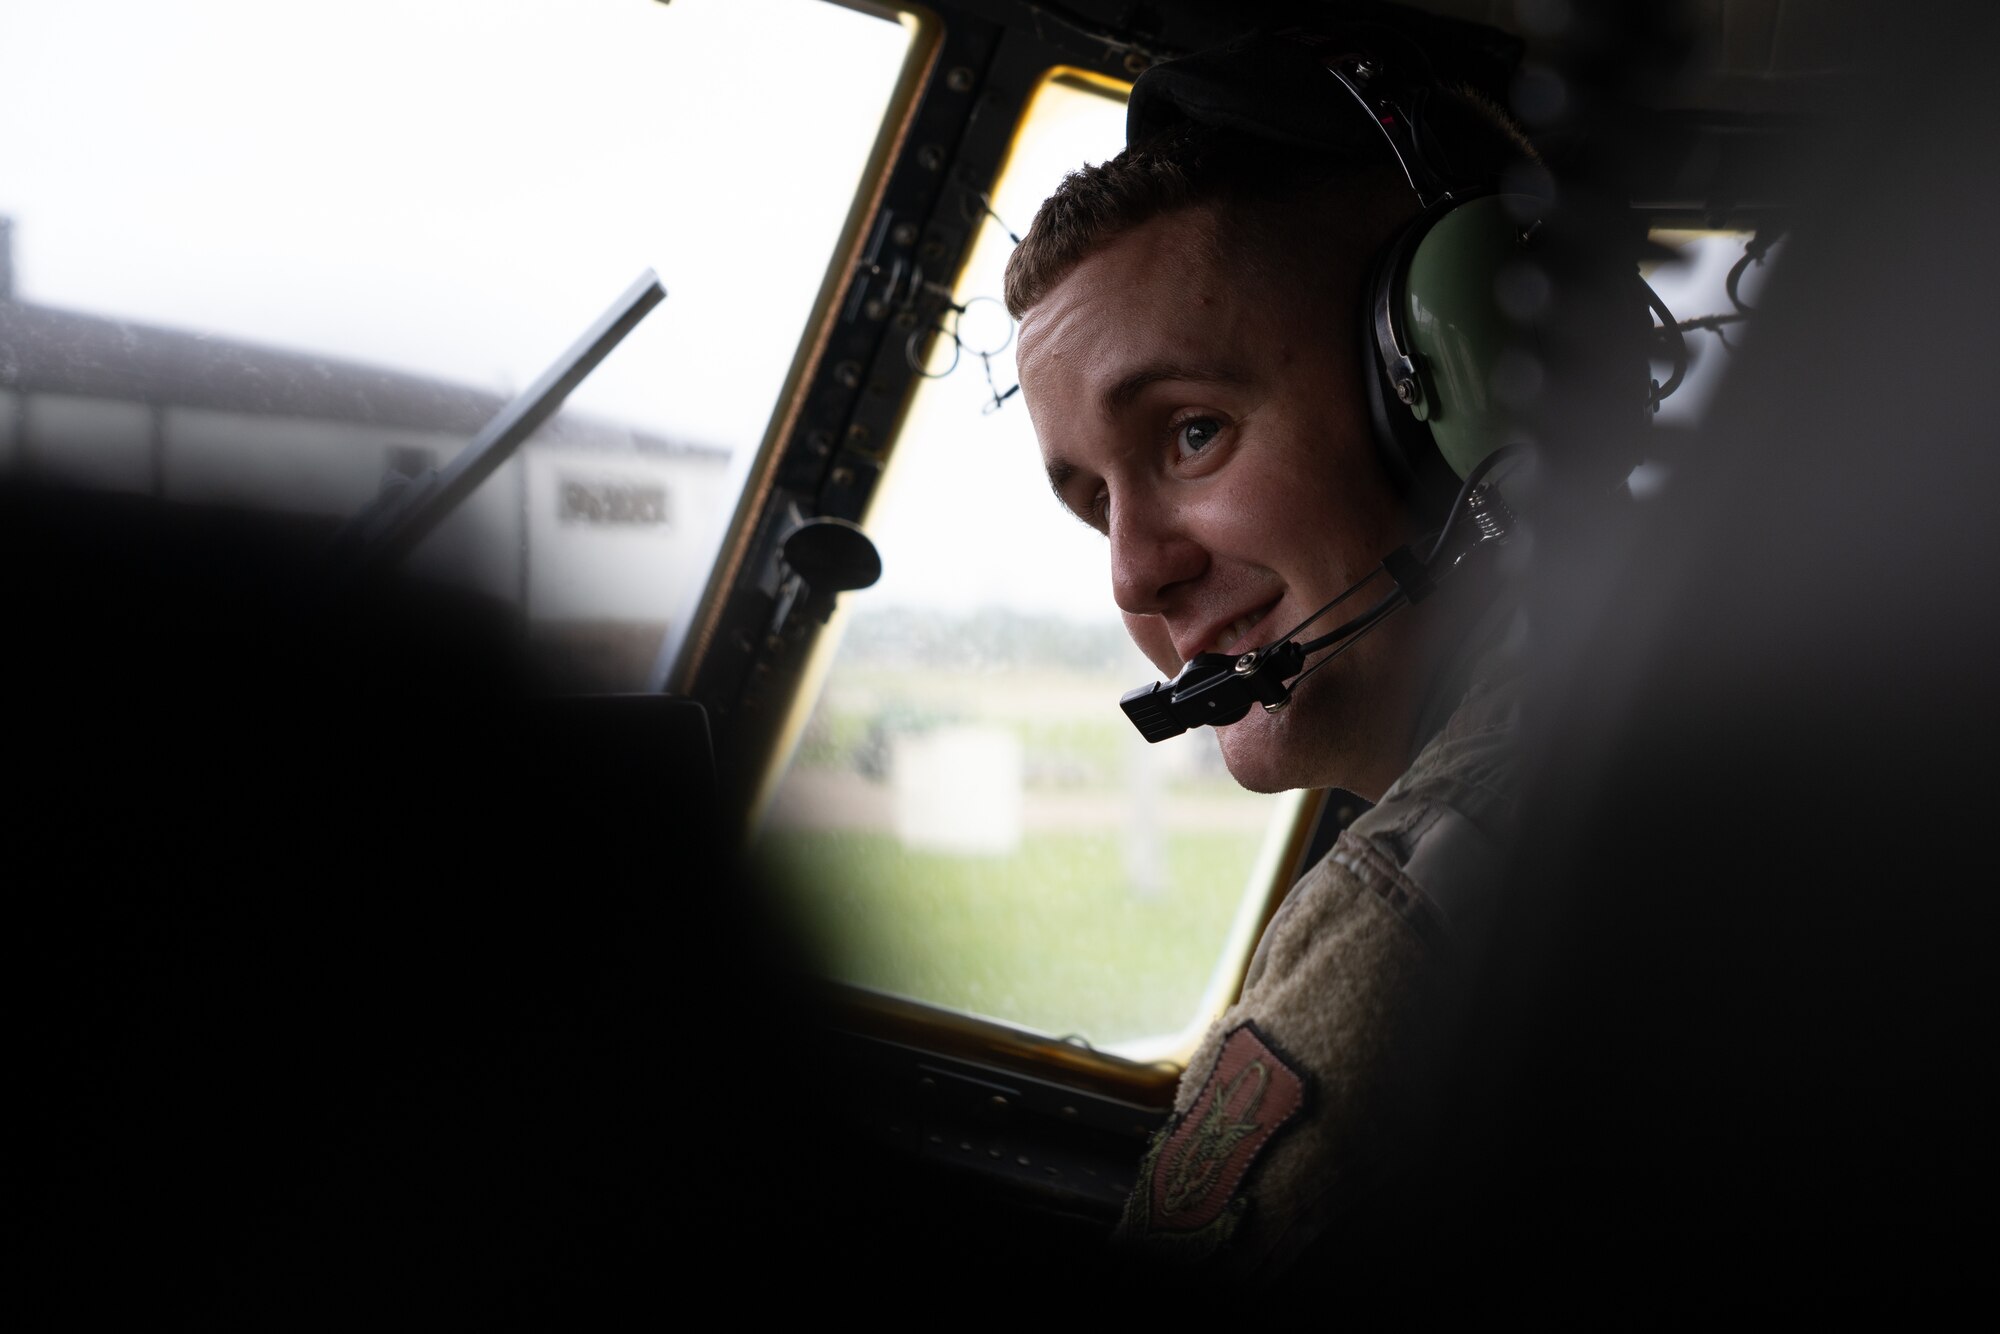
(1435, 333)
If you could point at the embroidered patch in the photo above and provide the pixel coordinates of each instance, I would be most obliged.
(1195, 1169)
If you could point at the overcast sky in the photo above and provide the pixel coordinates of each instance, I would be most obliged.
(454, 187)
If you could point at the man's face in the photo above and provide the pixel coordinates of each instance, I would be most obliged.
(1216, 432)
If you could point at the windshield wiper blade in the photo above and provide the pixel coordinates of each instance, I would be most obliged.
(392, 525)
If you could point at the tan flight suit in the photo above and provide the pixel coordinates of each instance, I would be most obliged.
(1286, 1113)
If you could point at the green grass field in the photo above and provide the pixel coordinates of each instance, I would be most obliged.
(1049, 938)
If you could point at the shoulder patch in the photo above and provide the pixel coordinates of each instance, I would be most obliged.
(1191, 1178)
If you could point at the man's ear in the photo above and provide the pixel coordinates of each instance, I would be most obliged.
(1151, 635)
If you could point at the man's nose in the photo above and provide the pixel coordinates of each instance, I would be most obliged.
(1151, 554)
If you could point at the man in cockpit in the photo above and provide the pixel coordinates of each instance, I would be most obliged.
(1197, 362)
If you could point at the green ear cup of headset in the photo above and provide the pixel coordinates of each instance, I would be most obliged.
(1454, 330)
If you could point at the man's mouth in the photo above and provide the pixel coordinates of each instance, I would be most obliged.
(1235, 637)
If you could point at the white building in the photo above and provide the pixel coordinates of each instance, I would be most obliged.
(598, 533)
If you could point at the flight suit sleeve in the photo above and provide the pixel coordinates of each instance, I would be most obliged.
(1289, 1117)
(1281, 1114)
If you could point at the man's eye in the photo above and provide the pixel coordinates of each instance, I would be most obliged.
(1194, 435)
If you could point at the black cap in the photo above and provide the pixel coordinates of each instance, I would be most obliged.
(1276, 87)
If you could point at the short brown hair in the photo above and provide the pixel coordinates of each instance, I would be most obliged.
(1270, 212)
(1310, 220)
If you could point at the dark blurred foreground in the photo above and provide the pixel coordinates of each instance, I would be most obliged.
(355, 979)
(352, 978)
(1730, 1045)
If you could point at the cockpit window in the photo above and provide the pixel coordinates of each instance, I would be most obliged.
(968, 819)
(279, 258)
(1710, 280)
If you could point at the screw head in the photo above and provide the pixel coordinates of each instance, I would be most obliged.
(960, 79)
(1406, 391)
(903, 233)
